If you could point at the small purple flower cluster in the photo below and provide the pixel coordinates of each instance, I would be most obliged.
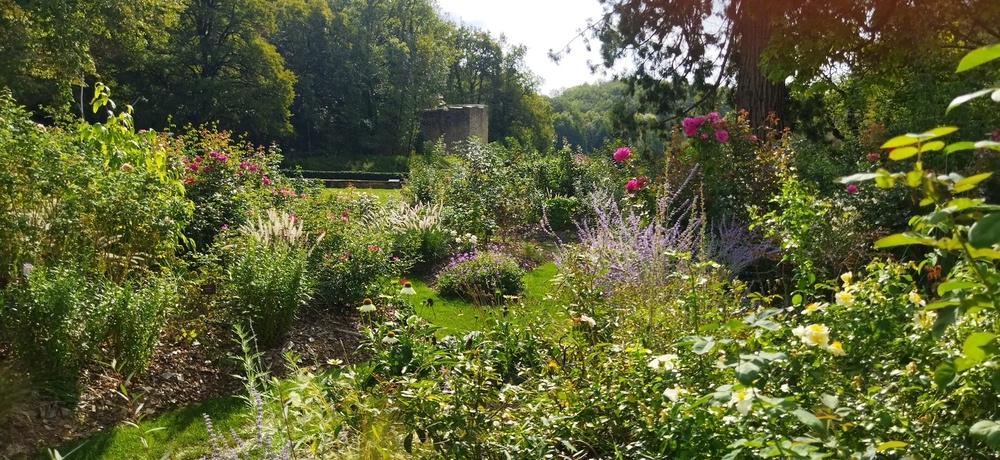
(702, 127)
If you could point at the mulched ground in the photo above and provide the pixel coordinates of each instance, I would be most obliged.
(183, 372)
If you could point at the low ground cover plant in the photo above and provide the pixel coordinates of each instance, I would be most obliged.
(482, 277)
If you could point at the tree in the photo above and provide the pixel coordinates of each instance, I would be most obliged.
(582, 114)
(49, 46)
(484, 70)
(755, 45)
(366, 70)
(215, 65)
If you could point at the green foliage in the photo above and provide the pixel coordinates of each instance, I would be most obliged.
(137, 314)
(560, 211)
(357, 266)
(100, 195)
(582, 114)
(483, 277)
(216, 64)
(485, 188)
(55, 320)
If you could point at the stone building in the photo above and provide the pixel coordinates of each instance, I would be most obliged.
(456, 123)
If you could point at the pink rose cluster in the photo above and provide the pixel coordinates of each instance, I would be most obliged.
(706, 126)
(199, 163)
(622, 154)
(634, 185)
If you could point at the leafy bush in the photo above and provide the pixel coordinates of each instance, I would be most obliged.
(226, 182)
(485, 188)
(482, 277)
(560, 211)
(55, 321)
(355, 267)
(103, 196)
(137, 314)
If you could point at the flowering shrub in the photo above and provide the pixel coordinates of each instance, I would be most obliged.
(736, 167)
(355, 265)
(99, 195)
(483, 277)
(226, 182)
(707, 127)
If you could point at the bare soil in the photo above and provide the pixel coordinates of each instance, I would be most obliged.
(184, 371)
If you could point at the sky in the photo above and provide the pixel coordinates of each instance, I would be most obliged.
(539, 25)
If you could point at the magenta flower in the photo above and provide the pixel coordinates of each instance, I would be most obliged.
(632, 186)
(874, 156)
(704, 135)
(852, 189)
(197, 159)
(722, 135)
(752, 138)
(690, 126)
(266, 181)
(622, 154)
(713, 116)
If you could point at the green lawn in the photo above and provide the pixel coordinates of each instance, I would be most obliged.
(383, 194)
(178, 434)
(457, 317)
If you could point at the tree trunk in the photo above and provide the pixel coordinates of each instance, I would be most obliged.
(753, 24)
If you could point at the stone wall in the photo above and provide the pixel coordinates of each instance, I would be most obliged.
(455, 123)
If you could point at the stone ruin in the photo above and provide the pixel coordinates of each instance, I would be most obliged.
(455, 123)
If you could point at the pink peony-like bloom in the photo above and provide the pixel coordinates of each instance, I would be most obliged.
(874, 156)
(266, 181)
(712, 116)
(722, 135)
(704, 135)
(622, 154)
(633, 185)
(852, 189)
(690, 125)
(197, 159)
